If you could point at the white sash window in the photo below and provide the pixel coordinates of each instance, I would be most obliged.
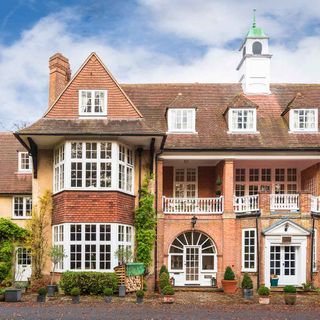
(304, 120)
(242, 120)
(92, 102)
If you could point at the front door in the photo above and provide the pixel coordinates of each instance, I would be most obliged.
(192, 264)
(283, 263)
(23, 264)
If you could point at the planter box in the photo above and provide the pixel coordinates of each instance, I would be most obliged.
(264, 300)
(229, 286)
(122, 290)
(41, 298)
(75, 299)
(139, 300)
(168, 299)
(290, 298)
(108, 299)
(52, 289)
(274, 282)
(248, 293)
(13, 295)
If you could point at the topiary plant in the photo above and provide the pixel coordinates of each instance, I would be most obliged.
(164, 280)
(246, 282)
(229, 274)
(289, 289)
(140, 294)
(75, 292)
(263, 291)
(108, 292)
(42, 291)
(168, 290)
(163, 269)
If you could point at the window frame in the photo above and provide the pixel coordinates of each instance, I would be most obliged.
(292, 122)
(20, 162)
(314, 252)
(243, 269)
(93, 113)
(171, 117)
(24, 209)
(236, 130)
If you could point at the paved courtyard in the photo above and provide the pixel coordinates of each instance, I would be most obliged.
(190, 305)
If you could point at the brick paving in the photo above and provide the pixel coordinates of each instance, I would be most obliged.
(188, 305)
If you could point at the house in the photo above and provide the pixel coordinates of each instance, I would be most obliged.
(16, 192)
(236, 170)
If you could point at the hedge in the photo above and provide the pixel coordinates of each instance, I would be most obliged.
(92, 283)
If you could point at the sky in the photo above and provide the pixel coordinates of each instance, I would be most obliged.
(143, 41)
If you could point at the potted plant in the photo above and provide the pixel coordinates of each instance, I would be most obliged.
(163, 269)
(56, 255)
(108, 292)
(140, 295)
(264, 293)
(274, 279)
(124, 255)
(164, 280)
(290, 295)
(2, 295)
(229, 283)
(75, 293)
(218, 188)
(247, 286)
(42, 293)
(168, 294)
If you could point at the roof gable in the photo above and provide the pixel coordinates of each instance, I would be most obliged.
(240, 101)
(93, 74)
(181, 101)
(286, 227)
(299, 101)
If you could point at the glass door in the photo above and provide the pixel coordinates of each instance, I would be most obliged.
(192, 264)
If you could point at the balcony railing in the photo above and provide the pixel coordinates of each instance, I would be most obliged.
(246, 204)
(193, 205)
(284, 202)
(315, 204)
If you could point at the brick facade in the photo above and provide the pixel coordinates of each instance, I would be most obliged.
(93, 206)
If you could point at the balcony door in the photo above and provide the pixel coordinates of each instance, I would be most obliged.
(185, 183)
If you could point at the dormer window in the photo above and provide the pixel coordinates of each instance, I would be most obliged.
(181, 120)
(93, 102)
(24, 161)
(303, 120)
(242, 120)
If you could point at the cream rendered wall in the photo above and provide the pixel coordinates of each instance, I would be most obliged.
(6, 204)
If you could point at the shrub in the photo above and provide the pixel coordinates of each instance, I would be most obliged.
(263, 291)
(163, 269)
(92, 283)
(75, 292)
(2, 291)
(246, 282)
(140, 294)
(36, 284)
(108, 292)
(168, 291)
(229, 274)
(289, 289)
(42, 291)
(307, 286)
(164, 280)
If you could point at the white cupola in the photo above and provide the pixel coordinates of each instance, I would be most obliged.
(254, 67)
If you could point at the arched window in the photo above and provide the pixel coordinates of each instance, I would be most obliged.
(192, 252)
(257, 47)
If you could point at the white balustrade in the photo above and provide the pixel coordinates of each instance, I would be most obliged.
(193, 205)
(315, 204)
(246, 204)
(284, 202)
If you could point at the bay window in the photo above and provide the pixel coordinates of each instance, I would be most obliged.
(93, 165)
(92, 246)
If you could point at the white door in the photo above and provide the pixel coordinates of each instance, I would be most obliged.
(283, 263)
(192, 262)
(23, 264)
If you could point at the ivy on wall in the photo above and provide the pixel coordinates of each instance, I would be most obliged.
(11, 236)
(145, 223)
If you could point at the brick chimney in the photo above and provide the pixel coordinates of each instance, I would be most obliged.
(60, 74)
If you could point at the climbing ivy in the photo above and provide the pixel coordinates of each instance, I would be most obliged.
(145, 223)
(11, 236)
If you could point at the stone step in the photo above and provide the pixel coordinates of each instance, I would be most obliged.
(196, 289)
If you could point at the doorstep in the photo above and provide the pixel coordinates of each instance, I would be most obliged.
(196, 289)
(280, 289)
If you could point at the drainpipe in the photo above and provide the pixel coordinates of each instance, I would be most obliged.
(156, 211)
(258, 254)
(312, 248)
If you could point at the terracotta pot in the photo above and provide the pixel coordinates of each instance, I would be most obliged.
(229, 286)
(168, 299)
(264, 300)
(290, 298)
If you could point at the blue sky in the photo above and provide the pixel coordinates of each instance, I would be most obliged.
(147, 41)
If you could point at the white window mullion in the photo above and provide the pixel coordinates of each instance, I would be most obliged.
(115, 167)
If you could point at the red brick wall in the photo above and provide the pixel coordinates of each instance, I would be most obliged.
(93, 206)
(168, 181)
(206, 182)
(93, 76)
(310, 177)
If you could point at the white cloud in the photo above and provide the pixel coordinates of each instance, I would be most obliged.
(24, 64)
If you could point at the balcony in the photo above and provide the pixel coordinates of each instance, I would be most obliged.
(193, 205)
(246, 204)
(288, 202)
(315, 204)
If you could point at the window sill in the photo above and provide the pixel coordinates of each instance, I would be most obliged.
(304, 131)
(21, 218)
(93, 190)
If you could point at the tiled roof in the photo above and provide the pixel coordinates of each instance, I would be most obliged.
(12, 182)
(211, 100)
(47, 126)
(300, 101)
